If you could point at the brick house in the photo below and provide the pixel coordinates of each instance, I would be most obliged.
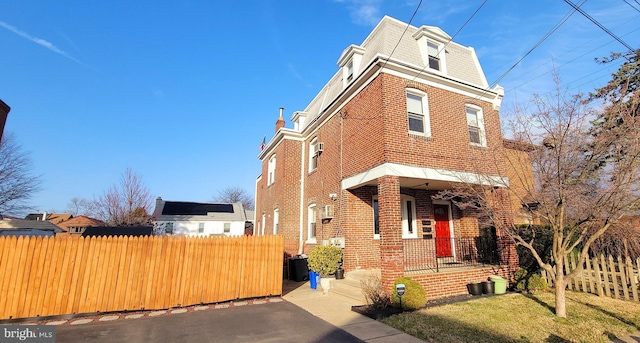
(4, 112)
(394, 126)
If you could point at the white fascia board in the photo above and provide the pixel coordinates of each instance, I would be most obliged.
(283, 133)
(408, 71)
(400, 170)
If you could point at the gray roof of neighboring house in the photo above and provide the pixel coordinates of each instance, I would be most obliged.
(198, 211)
(8, 224)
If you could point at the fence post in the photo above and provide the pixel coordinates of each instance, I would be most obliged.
(632, 278)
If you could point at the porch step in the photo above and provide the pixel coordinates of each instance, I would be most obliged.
(350, 286)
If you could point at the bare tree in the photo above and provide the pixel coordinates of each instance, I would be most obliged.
(235, 194)
(126, 203)
(586, 180)
(81, 206)
(17, 185)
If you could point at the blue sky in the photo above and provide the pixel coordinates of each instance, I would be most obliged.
(183, 92)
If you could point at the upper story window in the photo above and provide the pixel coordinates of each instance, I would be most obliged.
(418, 113)
(272, 170)
(434, 56)
(314, 152)
(475, 123)
(350, 71)
(276, 220)
(312, 214)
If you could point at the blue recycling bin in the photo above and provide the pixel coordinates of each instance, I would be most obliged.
(313, 279)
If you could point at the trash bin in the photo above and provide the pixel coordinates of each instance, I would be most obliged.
(298, 269)
(500, 286)
(313, 280)
(488, 287)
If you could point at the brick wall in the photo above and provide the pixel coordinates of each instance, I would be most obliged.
(450, 283)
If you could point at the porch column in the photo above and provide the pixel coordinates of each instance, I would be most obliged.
(391, 253)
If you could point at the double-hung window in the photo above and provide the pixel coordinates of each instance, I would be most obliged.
(376, 217)
(227, 227)
(475, 124)
(276, 219)
(271, 170)
(200, 227)
(418, 113)
(313, 155)
(312, 213)
(434, 59)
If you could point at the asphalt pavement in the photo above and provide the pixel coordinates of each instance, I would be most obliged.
(270, 322)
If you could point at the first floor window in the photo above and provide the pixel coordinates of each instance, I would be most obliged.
(200, 227)
(276, 220)
(312, 223)
(168, 228)
(376, 218)
(227, 227)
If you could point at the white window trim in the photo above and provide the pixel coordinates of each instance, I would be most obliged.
(425, 112)
(312, 155)
(276, 219)
(264, 223)
(271, 172)
(482, 133)
(405, 222)
(375, 235)
(200, 226)
(311, 218)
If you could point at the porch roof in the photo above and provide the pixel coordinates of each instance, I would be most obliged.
(421, 177)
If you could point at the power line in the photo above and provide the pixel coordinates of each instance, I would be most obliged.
(630, 5)
(547, 35)
(562, 65)
(405, 31)
(599, 25)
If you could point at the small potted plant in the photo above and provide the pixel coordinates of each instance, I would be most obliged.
(325, 260)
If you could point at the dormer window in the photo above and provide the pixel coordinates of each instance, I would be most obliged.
(350, 61)
(431, 41)
(350, 72)
(434, 60)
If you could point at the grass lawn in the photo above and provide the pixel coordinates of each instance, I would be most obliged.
(522, 318)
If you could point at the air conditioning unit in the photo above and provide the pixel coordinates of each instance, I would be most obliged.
(326, 212)
(318, 148)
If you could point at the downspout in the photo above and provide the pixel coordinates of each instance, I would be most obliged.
(302, 160)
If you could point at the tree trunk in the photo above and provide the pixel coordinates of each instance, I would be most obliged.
(560, 286)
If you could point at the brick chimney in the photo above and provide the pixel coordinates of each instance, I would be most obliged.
(4, 112)
(280, 121)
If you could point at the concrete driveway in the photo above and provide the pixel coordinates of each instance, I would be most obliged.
(271, 322)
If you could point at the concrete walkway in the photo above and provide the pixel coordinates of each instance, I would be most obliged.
(335, 308)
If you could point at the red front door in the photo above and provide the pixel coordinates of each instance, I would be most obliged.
(443, 231)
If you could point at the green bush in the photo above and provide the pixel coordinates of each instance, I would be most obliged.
(528, 281)
(414, 297)
(325, 259)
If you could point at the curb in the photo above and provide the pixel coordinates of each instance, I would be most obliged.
(113, 316)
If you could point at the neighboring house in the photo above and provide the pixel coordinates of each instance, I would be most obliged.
(25, 227)
(199, 219)
(58, 218)
(385, 134)
(4, 112)
(79, 224)
(131, 231)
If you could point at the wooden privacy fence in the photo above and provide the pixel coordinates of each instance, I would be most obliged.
(70, 274)
(617, 278)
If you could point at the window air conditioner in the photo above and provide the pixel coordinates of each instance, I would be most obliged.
(327, 212)
(318, 148)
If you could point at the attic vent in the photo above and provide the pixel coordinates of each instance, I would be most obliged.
(326, 212)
